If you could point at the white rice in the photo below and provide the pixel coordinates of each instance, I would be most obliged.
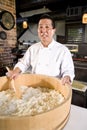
(33, 101)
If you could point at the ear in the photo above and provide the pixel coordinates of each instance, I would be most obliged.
(54, 30)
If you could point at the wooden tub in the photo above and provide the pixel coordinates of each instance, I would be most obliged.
(54, 119)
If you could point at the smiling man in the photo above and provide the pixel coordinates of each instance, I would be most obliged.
(48, 56)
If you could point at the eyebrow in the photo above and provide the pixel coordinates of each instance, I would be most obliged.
(46, 24)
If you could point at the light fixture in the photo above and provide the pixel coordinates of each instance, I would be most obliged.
(84, 18)
(25, 24)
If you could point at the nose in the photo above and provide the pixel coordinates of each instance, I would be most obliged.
(43, 29)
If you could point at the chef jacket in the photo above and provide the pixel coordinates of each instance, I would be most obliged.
(54, 60)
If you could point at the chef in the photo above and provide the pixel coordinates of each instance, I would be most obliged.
(48, 56)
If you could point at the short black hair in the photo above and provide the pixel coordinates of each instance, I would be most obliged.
(47, 16)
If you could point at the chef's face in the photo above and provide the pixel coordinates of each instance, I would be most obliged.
(45, 31)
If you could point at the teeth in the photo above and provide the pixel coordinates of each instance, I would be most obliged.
(43, 34)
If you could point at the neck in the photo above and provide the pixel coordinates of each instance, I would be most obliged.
(46, 43)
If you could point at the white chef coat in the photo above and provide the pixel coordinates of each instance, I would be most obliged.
(54, 60)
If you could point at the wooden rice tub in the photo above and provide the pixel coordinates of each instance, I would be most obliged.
(54, 119)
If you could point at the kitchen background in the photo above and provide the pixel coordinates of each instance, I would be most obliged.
(69, 31)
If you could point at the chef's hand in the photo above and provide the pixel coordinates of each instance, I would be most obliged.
(66, 80)
(12, 74)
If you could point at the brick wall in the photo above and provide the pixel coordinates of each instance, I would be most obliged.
(6, 57)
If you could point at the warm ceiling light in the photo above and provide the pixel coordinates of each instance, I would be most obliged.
(84, 18)
(25, 24)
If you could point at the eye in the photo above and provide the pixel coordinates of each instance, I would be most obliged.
(40, 27)
(48, 27)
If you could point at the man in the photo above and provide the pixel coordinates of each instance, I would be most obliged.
(48, 56)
